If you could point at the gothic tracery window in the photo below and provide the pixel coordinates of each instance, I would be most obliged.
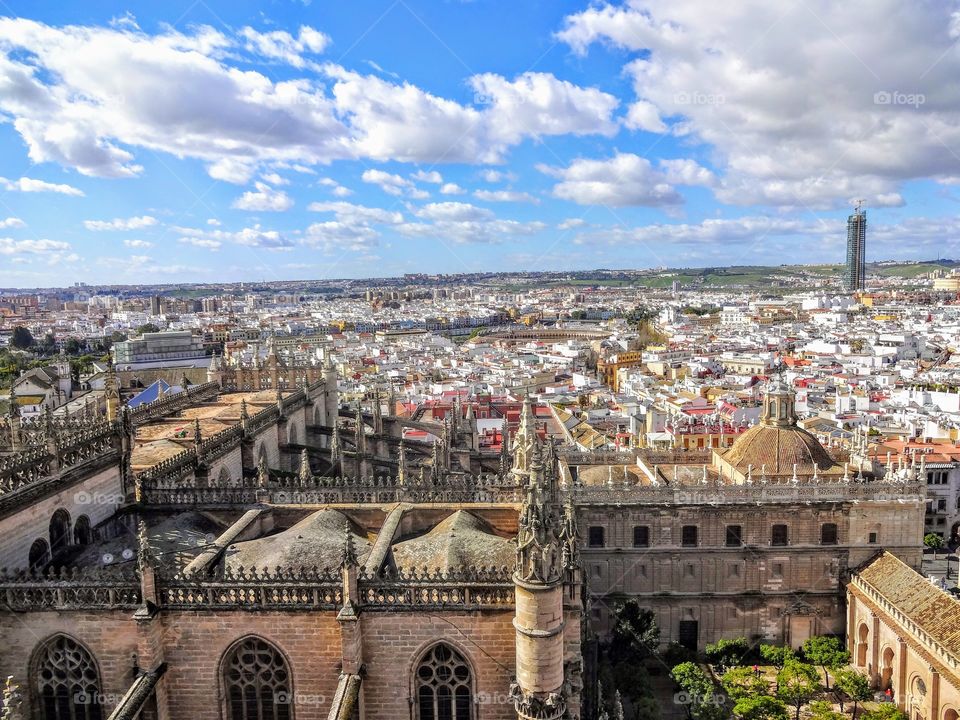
(443, 684)
(257, 682)
(66, 681)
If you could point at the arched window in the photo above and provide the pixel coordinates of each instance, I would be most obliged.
(293, 436)
(59, 531)
(66, 681)
(257, 682)
(39, 554)
(223, 478)
(443, 684)
(82, 534)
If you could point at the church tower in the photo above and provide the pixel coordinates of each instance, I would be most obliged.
(538, 692)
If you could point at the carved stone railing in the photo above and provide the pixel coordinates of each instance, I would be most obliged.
(470, 587)
(711, 493)
(252, 589)
(318, 490)
(22, 470)
(100, 588)
(268, 416)
(249, 589)
(173, 403)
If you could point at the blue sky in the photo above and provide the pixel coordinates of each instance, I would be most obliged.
(206, 141)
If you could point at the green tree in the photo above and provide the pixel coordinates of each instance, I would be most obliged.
(147, 328)
(885, 711)
(827, 652)
(697, 692)
(934, 542)
(822, 710)
(741, 682)
(727, 653)
(797, 684)
(776, 655)
(73, 347)
(21, 338)
(635, 635)
(852, 686)
(759, 707)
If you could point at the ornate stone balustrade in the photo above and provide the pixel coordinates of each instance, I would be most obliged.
(21, 471)
(253, 589)
(711, 493)
(71, 589)
(174, 403)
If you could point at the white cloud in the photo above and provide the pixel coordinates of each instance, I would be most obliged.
(538, 104)
(281, 45)
(192, 95)
(493, 176)
(348, 212)
(266, 239)
(505, 196)
(249, 237)
(623, 180)
(393, 184)
(455, 211)
(571, 223)
(265, 198)
(30, 185)
(133, 223)
(429, 177)
(802, 105)
(10, 247)
(337, 236)
(208, 243)
(12, 222)
(451, 189)
(274, 179)
(137, 243)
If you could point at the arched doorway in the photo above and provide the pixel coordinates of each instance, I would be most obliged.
(950, 714)
(59, 531)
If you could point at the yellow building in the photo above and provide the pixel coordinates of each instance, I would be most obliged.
(607, 367)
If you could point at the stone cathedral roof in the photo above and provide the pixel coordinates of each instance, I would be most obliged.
(315, 541)
(460, 541)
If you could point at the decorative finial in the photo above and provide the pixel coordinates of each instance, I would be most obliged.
(348, 557)
(144, 551)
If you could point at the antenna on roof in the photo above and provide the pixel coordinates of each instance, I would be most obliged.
(860, 203)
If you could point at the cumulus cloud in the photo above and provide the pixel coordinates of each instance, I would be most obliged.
(451, 189)
(133, 223)
(265, 198)
(12, 222)
(201, 242)
(281, 45)
(335, 235)
(188, 95)
(831, 101)
(31, 185)
(393, 184)
(505, 196)
(137, 243)
(465, 223)
(626, 179)
(348, 212)
(429, 177)
(249, 237)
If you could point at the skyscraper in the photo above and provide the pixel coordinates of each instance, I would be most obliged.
(854, 275)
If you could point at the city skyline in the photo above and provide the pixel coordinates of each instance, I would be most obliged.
(300, 141)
